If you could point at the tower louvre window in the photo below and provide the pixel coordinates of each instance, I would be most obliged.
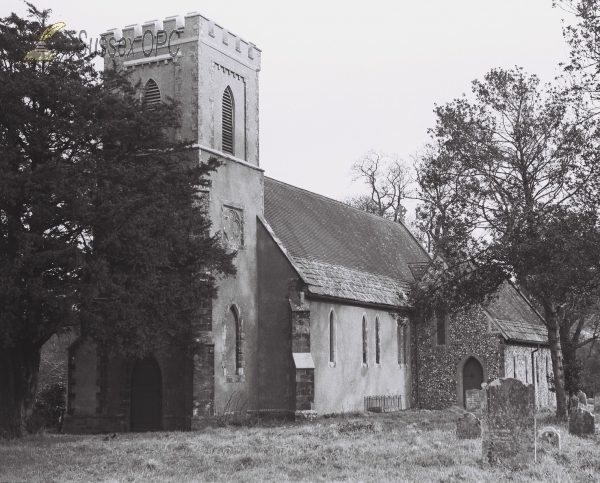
(228, 122)
(151, 93)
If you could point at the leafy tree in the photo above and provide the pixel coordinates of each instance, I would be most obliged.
(103, 231)
(510, 185)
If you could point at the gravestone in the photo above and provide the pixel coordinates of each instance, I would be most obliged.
(468, 427)
(582, 397)
(581, 422)
(596, 403)
(474, 401)
(573, 403)
(549, 437)
(508, 422)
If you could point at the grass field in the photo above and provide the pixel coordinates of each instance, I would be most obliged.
(414, 446)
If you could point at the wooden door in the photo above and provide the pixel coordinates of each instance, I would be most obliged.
(146, 396)
(472, 377)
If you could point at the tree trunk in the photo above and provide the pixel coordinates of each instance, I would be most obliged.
(557, 362)
(19, 370)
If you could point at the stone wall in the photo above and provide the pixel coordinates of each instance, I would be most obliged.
(439, 382)
(517, 365)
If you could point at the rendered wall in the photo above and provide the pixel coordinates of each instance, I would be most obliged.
(274, 330)
(237, 186)
(343, 386)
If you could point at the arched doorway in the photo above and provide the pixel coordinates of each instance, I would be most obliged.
(146, 396)
(472, 376)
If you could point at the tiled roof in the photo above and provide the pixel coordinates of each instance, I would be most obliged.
(346, 283)
(522, 331)
(313, 227)
(516, 319)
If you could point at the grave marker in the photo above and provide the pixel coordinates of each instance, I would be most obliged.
(474, 401)
(581, 422)
(549, 437)
(508, 422)
(468, 427)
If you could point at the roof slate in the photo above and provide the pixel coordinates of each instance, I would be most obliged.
(346, 283)
(313, 227)
(515, 317)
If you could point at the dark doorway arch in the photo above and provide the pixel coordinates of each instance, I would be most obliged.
(146, 396)
(472, 376)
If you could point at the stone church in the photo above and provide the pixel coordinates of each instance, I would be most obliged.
(317, 319)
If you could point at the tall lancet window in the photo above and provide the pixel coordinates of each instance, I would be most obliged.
(151, 93)
(365, 346)
(332, 339)
(228, 122)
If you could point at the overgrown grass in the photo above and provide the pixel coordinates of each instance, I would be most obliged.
(415, 446)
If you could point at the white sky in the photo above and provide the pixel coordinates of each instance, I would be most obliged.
(340, 77)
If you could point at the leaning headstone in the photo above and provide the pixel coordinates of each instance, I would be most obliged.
(581, 422)
(508, 422)
(549, 437)
(468, 427)
(582, 397)
(573, 403)
(474, 401)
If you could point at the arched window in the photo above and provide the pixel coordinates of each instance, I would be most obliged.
(377, 341)
(332, 339)
(402, 339)
(233, 343)
(365, 345)
(440, 330)
(228, 122)
(151, 93)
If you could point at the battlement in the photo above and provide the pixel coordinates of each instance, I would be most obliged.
(177, 30)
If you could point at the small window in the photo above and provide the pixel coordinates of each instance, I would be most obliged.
(332, 339)
(402, 339)
(515, 367)
(377, 342)
(151, 93)
(365, 346)
(228, 122)
(233, 341)
(440, 330)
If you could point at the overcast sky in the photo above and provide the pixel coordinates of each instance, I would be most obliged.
(341, 77)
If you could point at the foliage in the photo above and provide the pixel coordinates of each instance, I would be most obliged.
(510, 191)
(51, 403)
(103, 231)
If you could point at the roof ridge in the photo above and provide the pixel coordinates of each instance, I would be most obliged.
(401, 223)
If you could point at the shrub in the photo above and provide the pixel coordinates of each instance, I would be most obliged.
(50, 404)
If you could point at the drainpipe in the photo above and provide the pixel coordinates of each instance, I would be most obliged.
(533, 375)
(418, 399)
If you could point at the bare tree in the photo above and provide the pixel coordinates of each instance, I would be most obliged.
(388, 179)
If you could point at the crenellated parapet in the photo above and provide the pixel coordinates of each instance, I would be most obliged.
(158, 40)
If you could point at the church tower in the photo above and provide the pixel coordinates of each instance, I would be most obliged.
(213, 73)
